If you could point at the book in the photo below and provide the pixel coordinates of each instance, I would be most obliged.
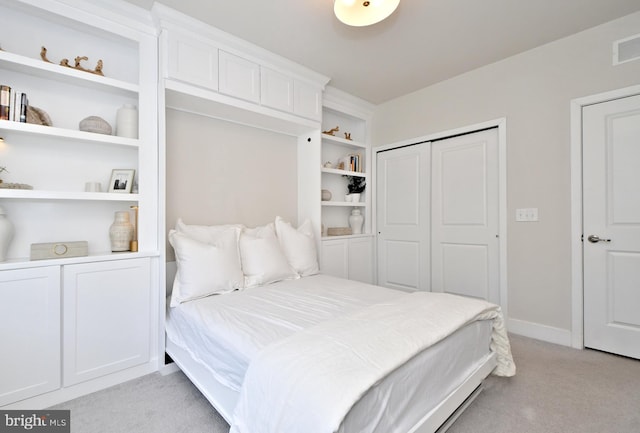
(5, 102)
(23, 108)
(14, 113)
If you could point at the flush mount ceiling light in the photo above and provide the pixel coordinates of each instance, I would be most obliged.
(360, 13)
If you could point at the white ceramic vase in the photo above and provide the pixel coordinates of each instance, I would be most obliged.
(6, 234)
(355, 221)
(121, 232)
(127, 121)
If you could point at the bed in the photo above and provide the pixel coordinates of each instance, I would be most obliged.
(280, 347)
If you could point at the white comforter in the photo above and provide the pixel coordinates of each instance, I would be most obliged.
(309, 381)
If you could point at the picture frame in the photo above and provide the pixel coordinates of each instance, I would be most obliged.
(121, 180)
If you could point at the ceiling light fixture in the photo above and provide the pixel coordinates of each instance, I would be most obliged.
(360, 13)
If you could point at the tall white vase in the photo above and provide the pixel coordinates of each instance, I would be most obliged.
(127, 121)
(355, 221)
(6, 234)
(121, 232)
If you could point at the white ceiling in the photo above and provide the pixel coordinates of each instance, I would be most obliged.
(422, 43)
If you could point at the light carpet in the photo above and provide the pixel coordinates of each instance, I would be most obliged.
(556, 390)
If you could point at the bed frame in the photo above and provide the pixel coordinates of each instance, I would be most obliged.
(438, 419)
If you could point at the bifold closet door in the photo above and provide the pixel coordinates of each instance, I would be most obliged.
(464, 215)
(402, 217)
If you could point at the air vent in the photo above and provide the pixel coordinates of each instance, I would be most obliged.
(626, 50)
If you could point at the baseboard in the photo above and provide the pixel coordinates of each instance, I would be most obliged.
(62, 395)
(540, 332)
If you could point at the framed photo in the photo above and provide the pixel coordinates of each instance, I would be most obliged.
(121, 180)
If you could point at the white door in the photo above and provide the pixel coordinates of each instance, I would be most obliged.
(464, 215)
(611, 226)
(403, 190)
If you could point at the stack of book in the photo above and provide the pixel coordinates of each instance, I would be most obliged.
(13, 104)
(355, 162)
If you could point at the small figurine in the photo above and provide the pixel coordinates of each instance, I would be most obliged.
(347, 136)
(77, 60)
(43, 54)
(98, 69)
(331, 131)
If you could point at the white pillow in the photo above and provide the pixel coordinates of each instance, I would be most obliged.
(205, 269)
(263, 261)
(206, 234)
(299, 246)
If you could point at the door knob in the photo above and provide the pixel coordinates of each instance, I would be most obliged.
(595, 239)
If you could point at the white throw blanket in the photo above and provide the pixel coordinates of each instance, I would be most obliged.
(308, 382)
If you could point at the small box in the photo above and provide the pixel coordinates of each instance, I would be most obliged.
(339, 231)
(59, 250)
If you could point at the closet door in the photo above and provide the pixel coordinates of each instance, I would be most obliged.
(464, 216)
(402, 187)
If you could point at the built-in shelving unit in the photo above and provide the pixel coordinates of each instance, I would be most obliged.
(57, 161)
(336, 152)
(60, 306)
(347, 256)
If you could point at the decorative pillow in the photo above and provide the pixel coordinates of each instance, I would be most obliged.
(263, 261)
(206, 234)
(205, 269)
(299, 246)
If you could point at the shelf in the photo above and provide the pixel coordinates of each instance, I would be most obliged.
(25, 262)
(343, 172)
(343, 141)
(344, 203)
(9, 127)
(30, 194)
(42, 69)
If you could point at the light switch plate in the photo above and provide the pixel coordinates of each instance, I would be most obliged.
(527, 214)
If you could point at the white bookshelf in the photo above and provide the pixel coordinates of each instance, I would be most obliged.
(57, 161)
(347, 256)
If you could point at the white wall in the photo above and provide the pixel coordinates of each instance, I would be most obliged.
(220, 172)
(533, 91)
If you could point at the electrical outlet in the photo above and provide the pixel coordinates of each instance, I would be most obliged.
(527, 214)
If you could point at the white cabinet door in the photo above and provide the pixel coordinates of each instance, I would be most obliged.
(335, 258)
(276, 90)
(107, 318)
(348, 258)
(360, 259)
(29, 332)
(239, 77)
(191, 60)
(307, 100)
